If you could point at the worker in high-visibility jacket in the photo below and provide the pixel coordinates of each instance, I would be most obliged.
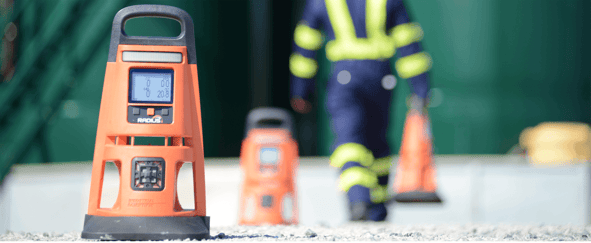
(362, 35)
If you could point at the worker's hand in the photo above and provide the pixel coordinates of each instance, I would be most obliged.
(300, 105)
(414, 102)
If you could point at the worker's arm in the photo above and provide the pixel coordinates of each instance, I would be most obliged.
(302, 62)
(413, 63)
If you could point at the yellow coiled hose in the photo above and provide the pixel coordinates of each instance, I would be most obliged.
(556, 143)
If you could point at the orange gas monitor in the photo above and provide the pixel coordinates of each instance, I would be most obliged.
(151, 93)
(269, 159)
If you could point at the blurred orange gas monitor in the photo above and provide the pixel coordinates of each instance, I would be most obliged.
(150, 91)
(269, 159)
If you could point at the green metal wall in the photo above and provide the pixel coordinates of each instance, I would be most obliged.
(499, 66)
(68, 134)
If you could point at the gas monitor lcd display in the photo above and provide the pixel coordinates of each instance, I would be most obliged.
(150, 86)
(269, 156)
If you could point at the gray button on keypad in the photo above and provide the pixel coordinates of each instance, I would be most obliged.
(136, 111)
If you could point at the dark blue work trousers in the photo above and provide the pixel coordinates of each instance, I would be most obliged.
(359, 103)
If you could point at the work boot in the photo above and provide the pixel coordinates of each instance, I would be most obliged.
(361, 208)
(357, 180)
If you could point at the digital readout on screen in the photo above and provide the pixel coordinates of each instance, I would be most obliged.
(151, 86)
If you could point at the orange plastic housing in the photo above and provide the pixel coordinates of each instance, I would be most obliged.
(115, 139)
(416, 171)
(276, 182)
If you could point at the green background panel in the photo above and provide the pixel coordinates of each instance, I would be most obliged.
(499, 66)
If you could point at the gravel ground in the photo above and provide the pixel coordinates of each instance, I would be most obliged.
(368, 232)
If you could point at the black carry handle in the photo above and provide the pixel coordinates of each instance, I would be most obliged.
(268, 117)
(186, 38)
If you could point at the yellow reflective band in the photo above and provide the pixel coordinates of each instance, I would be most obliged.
(307, 38)
(340, 19)
(357, 176)
(346, 45)
(408, 33)
(413, 65)
(302, 67)
(351, 152)
(375, 18)
(379, 194)
(381, 166)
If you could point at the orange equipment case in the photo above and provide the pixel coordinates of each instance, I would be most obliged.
(150, 90)
(269, 159)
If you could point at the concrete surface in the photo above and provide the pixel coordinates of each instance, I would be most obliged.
(476, 189)
(365, 232)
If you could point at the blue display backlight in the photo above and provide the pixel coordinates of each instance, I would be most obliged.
(151, 86)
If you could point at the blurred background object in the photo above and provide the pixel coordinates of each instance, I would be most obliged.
(557, 143)
(269, 163)
(499, 66)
